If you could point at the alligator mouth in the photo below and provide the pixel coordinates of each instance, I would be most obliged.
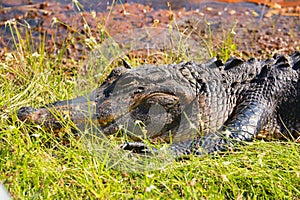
(40, 116)
(148, 114)
(52, 117)
(34, 115)
(156, 113)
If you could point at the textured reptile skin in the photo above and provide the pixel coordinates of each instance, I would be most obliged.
(199, 108)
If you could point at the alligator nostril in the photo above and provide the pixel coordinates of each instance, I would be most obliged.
(24, 112)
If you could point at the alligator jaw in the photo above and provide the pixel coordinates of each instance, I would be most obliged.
(142, 116)
(80, 113)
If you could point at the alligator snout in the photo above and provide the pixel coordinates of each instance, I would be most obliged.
(24, 113)
(34, 115)
(81, 113)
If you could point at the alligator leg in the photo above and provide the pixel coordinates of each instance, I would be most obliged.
(251, 114)
(245, 126)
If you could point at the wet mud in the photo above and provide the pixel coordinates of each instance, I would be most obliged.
(253, 29)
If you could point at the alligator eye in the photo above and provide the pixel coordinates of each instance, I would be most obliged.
(139, 90)
(108, 91)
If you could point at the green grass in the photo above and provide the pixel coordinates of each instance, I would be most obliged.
(39, 164)
(41, 167)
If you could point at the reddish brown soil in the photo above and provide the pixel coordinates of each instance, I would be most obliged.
(255, 29)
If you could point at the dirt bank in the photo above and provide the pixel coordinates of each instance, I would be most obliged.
(251, 29)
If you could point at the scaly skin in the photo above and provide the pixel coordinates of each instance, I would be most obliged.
(201, 108)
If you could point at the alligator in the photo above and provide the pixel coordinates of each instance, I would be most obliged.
(198, 109)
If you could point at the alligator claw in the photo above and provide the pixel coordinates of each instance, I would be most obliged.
(139, 148)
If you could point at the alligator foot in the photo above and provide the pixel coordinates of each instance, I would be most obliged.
(212, 144)
(209, 144)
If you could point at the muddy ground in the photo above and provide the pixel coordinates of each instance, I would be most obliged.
(254, 29)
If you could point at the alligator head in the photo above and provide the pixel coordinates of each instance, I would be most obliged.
(145, 101)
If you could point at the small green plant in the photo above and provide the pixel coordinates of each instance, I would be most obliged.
(228, 44)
